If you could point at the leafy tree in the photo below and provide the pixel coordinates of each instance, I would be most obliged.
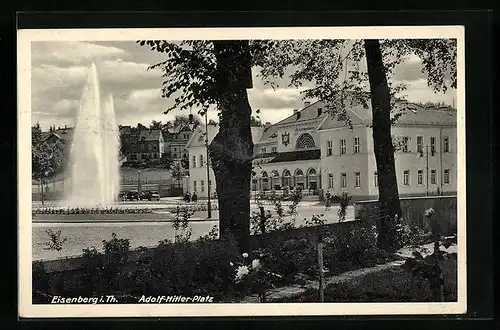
(178, 172)
(335, 68)
(36, 134)
(155, 125)
(46, 160)
(185, 162)
(255, 122)
(202, 74)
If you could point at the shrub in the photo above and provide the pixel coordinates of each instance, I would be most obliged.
(40, 282)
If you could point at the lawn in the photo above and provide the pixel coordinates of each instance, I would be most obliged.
(390, 285)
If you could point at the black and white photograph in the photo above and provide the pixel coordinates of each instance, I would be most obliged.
(241, 172)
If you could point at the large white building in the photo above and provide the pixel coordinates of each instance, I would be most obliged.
(312, 149)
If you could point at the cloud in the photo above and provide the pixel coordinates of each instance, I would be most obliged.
(71, 52)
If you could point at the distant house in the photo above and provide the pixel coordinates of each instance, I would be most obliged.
(142, 145)
(175, 141)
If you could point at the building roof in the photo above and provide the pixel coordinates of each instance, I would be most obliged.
(297, 155)
(268, 134)
(256, 134)
(179, 128)
(308, 113)
(150, 134)
(403, 113)
(198, 137)
(65, 135)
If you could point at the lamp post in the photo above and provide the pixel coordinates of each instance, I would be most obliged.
(209, 204)
(138, 183)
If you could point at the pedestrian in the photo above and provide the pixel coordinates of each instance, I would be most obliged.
(194, 198)
(328, 200)
(187, 197)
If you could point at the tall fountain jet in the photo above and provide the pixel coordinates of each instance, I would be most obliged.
(94, 165)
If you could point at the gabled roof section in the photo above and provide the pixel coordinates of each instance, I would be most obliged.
(198, 137)
(269, 134)
(256, 134)
(308, 113)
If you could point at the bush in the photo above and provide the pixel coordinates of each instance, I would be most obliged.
(356, 247)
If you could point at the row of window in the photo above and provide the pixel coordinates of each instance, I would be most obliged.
(343, 180)
(404, 145)
(343, 146)
(193, 162)
(406, 178)
(420, 177)
(264, 149)
(144, 156)
(420, 144)
(202, 185)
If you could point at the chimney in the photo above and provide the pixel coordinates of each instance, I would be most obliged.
(65, 127)
(320, 111)
(295, 110)
(306, 104)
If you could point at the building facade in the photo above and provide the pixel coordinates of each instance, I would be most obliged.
(320, 153)
(141, 145)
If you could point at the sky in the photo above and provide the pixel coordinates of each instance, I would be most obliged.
(59, 70)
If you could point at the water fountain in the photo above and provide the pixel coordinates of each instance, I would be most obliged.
(94, 166)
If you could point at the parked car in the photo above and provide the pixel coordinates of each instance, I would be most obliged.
(150, 195)
(132, 196)
(155, 196)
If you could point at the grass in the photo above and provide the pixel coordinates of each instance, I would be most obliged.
(390, 285)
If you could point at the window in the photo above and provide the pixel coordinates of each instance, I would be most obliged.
(342, 146)
(433, 145)
(329, 148)
(356, 145)
(446, 144)
(375, 178)
(175, 155)
(154, 147)
(155, 156)
(274, 149)
(194, 161)
(420, 177)
(343, 180)
(420, 143)
(175, 149)
(406, 178)
(330, 180)
(264, 150)
(405, 144)
(357, 179)
(194, 186)
(201, 160)
(433, 176)
(202, 185)
(446, 176)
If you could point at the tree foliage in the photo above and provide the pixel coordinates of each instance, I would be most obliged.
(47, 159)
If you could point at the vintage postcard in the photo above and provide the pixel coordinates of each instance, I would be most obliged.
(241, 171)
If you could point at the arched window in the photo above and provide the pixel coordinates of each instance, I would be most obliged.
(305, 141)
(312, 179)
(299, 178)
(265, 181)
(286, 178)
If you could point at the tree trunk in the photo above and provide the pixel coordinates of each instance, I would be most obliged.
(231, 151)
(388, 193)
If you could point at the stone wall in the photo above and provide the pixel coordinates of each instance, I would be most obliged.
(413, 209)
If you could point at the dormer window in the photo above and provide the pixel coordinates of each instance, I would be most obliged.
(298, 115)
